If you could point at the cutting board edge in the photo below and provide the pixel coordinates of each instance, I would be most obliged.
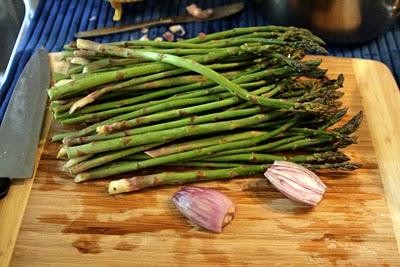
(386, 143)
(19, 192)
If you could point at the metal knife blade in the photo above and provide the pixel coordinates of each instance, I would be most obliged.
(22, 123)
(218, 13)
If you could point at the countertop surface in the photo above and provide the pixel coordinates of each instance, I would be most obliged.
(56, 22)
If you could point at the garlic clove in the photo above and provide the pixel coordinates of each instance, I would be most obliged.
(296, 182)
(205, 207)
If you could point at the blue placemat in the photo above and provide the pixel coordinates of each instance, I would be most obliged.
(55, 23)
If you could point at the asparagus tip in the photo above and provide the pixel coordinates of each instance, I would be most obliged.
(352, 125)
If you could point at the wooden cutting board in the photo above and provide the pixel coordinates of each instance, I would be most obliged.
(67, 224)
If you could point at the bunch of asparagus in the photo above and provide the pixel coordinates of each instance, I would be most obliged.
(222, 105)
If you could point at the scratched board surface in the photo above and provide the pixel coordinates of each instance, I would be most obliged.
(74, 224)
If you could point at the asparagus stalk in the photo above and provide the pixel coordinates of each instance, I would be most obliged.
(74, 70)
(218, 89)
(242, 79)
(214, 117)
(135, 114)
(141, 84)
(74, 161)
(270, 158)
(80, 85)
(156, 94)
(181, 147)
(203, 164)
(101, 160)
(137, 157)
(105, 63)
(79, 60)
(177, 47)
(137, 183)
(122, 125)
(264, 148)
(334, 118)
(141, 182)
(85, 54)
(141, 98)
(96, 94)
(66, 119)
(164, 135)
(101, 86)
(236, 32)
(199, 68)
(126, 152)
(124, 167)
(302, 143)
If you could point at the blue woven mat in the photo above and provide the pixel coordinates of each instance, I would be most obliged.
(55, 23)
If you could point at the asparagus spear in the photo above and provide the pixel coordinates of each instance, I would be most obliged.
(141, 98)
(140, 182)
(101, 160)
(220, 116)
(156, 94)
(137, 183)
(265, 147)
(275, 53)
(142, 80)
(204, 164)
(77, 86)
(74, 161)
(122, 125)
(124, 167)
(199, 68)
(126, 152)
(236, 32)
(106, 63)
(181, 147)
(179, 46)
(269, 158)
(92, 117)
(164, 135)
(302, 143)
(135, 114)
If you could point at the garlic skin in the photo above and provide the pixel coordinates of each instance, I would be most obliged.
(168, 36)
(177, 30)
(296, 182)
(205, 207)
(144, 38)
(199, 13)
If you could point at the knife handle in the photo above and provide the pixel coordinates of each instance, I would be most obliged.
(4, 186)
(123, 28)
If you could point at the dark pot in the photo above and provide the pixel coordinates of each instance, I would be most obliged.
(336, 21)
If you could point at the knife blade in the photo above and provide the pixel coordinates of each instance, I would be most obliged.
(22, 123)
(218, 13)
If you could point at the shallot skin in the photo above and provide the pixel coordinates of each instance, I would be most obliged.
(205, 207)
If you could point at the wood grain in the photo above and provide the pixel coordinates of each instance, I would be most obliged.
(12, 207)
(380, 98)
(69, 225)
